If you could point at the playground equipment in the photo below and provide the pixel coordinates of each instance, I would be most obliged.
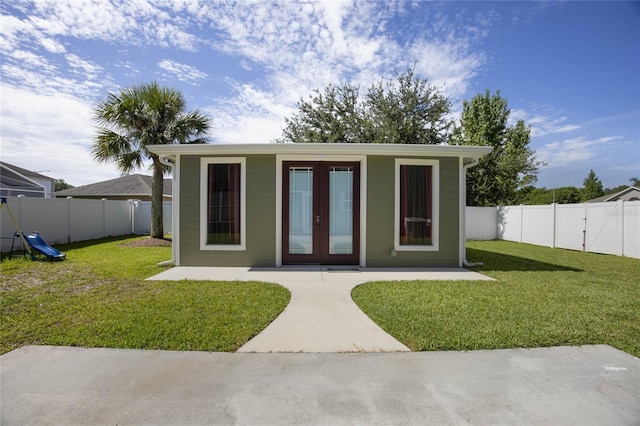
(38, 244)
(32, 243)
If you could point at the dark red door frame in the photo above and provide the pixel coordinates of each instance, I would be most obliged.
(320, 218)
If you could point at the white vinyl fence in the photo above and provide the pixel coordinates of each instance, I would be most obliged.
(69, 220)
(608, 228)
(482, 223)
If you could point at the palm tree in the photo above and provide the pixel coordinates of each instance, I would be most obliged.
(140, 116)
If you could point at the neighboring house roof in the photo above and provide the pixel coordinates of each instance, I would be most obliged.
(14, 180)
(131, 186)
(631, 193)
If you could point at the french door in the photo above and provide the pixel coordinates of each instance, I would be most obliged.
(321, 212)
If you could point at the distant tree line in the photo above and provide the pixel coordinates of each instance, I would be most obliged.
(591, 188)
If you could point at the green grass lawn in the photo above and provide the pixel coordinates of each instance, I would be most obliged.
(542, 297)
(98, 298)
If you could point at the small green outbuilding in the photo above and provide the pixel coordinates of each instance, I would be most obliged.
(367, 205)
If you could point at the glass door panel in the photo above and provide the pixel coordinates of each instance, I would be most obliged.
(301, 210)
(340, 210)
(320, 202)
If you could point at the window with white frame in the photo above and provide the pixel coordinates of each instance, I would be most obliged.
(222, 204)
(416, 205)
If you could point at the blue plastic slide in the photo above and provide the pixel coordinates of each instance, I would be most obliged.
(38, 244)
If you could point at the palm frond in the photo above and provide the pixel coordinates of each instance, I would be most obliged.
(143, 115)
(191, 128)
(109, 145)
(130, 161)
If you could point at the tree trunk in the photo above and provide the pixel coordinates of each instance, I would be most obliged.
(157, 230)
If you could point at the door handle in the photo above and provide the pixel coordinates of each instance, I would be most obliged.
(317, 221)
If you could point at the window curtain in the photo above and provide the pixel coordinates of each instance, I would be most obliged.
(224, 204)
(415, 204)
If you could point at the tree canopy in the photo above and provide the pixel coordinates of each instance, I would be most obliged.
(334, 115)
(60, 185)
(405, 110)
(511, 165)
(139, 116)
(409, 110)
(591, 187)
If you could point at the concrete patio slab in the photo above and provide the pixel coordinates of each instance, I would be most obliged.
(589, 385)
(316, 273)
(321, 316)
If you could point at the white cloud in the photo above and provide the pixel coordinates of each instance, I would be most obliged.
(245, 128)
(633, 168)
(49, 83)
(50, 132)
(306, 46)
(253, 116)
(450, 65)
(10, 32)
(543, 124)
(567, 128)
(31, 60)
(52, 45)
(129, 69)
(182, 72)
(68, 74)
(79, 65)
(294, 48)
(120, 21)
(570, 151)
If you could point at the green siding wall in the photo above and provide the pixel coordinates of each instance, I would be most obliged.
(260, 220)
(380, 217)
(261, 216)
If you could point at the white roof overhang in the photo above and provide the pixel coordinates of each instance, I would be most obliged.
(468, 153)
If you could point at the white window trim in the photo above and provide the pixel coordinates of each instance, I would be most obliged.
(435, 198)
(204, 163)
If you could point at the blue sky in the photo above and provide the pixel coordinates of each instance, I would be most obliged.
(571, 70)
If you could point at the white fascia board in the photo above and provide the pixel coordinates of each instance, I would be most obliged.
(23, 176)
(621, 193)
(320, 149)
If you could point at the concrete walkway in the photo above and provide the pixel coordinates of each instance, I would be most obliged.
(590, 385)
(321, 316)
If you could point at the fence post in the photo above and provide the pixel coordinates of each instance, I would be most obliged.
(104, 217)
(620, 223)
(69, 217)
(20, 197)
(521, 220)
(135, 216)
(586, 227)
(130, 214)
(554, 212)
